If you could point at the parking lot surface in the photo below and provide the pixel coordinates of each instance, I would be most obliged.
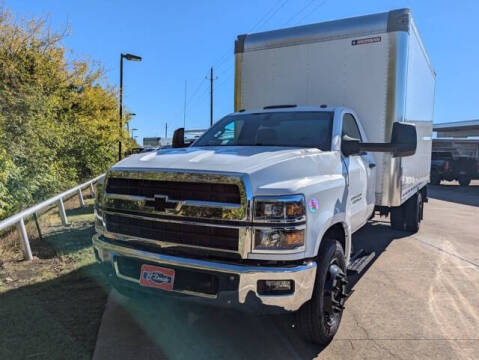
(418, 299)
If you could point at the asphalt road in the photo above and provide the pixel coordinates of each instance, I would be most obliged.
(419, 299)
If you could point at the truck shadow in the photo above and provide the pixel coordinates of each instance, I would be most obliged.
(179, 329)
(54, 319)
(375, 236)
(169, 328)
(450, 191)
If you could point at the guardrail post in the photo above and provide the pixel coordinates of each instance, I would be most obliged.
(80, 196)
(92, 189)
(26, 244)
(63, 214)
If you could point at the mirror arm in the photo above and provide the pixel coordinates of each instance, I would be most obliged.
(403, 142)
(394, 149)
(377, 147)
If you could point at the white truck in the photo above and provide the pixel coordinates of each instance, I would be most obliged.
(332, 122)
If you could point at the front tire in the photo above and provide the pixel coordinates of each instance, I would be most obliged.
(464, 181)
(319, 318)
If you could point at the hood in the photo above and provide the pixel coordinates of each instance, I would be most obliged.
(238, 159)
(265, 165)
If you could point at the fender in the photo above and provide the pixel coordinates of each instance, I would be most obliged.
(337, 219)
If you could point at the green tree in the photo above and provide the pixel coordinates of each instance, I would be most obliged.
(58, 118)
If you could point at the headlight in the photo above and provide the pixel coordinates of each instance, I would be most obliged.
(273, 218)
(280, 209)
(278, 239)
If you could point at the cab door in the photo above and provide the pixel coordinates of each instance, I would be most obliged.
(357, 167)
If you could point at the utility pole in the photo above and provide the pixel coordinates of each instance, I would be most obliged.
(166, 130)
(211, 95)
(184, 107)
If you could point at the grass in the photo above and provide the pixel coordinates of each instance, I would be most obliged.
(51, 307)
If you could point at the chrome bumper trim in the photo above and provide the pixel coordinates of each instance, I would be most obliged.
(303, 275)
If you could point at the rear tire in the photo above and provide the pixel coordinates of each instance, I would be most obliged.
(319, 318)
(464, 180)
(408, 216)
(398, 218)
(414, 211)
(435, 178)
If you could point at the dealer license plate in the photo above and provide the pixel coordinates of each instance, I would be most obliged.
(157, 277)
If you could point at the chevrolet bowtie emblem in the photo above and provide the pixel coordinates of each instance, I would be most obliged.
(162, 203)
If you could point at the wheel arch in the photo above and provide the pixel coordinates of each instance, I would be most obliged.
(338, 231)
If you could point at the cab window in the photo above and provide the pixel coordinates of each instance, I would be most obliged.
(350, 127)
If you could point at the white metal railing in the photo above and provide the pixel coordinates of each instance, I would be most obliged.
(17, 219)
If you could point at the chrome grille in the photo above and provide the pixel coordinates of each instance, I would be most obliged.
(175, 233)
(178, 209)
(192, 195)
(176, 190)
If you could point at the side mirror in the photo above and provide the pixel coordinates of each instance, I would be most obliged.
(350, 146)
(404, 139)
(178, 138)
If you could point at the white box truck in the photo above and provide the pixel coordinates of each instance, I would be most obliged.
(332, 122)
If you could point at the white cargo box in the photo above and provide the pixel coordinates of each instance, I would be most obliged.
(374, 64)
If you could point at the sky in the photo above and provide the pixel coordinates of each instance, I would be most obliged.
(180, 40)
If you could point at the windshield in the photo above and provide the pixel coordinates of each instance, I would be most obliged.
(298, 129)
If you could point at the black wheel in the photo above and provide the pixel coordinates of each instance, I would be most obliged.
(414, 211)
(398, 218)
(464, 180)
(319, 318)
(408, 216)
(435, 178)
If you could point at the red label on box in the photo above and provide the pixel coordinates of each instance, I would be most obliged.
(157, 277)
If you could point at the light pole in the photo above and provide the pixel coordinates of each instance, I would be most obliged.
(130, 57)
(132, 131)
(129, 117)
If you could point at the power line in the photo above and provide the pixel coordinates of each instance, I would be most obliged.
(268, 15)
(212, 79)
(224, 78)
(320, 5)
(274, 13)
(299, 12)
(222, 59)
(263, 20)
(265, 16)
(198, 87)
(184, 106)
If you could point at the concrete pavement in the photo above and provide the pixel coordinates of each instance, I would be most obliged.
(419, 299)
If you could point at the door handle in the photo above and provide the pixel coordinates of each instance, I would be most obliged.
(372, 165)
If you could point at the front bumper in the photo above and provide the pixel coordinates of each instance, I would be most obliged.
(238, 284)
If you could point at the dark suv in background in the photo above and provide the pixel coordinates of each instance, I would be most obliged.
(445, 167)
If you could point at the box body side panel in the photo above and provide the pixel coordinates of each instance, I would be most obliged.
(420, 89)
